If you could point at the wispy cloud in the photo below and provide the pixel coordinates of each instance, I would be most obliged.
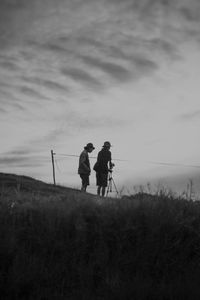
(70, 124)
(81, 76)
(8, 65)
(33, 93)
(23, 157)
(108, 43)
(2, 110)
(15, 162)
(190, 116)
(48, 84)
(94, 122)
(191, 12)
(8, 100)
(21, 161)
(18, 152)
(114, 70)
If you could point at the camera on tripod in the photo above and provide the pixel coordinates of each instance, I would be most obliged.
(111, 180)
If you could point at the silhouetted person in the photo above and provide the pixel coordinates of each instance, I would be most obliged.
(102, 167)
(84, 166)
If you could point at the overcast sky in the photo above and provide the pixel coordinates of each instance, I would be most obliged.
(79, 71)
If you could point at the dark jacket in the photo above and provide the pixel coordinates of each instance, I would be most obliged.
(84, 163)
(103, 158)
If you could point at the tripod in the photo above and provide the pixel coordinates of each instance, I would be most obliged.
(110, 183)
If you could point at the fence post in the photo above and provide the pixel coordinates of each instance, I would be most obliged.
(52, 159)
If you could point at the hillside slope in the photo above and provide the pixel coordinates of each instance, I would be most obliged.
(59, 243)
(29, 184)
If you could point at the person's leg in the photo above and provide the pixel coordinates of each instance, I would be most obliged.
(85, 182)
(82, 181)
(104, 179)
(98, 183)
(84, 187)
(103, 191)
(98, 190)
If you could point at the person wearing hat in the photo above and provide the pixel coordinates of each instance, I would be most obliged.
(84, 166)
(102, 166)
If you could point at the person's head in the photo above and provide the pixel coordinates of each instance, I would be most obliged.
(89, 147)
(107, 145)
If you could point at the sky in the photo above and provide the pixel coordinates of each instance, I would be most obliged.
(79, 71)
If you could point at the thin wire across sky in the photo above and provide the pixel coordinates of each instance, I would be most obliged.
(169, 164)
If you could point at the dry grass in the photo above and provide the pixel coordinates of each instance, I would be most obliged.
(57, 243)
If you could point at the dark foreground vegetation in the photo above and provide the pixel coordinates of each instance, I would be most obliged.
(56, 243)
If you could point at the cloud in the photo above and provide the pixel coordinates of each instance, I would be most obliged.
(21, 161)
(23, 156)
(28, 91)
(95, 122)
(55, 47)
(2, 110)
(107, 61)
(81, 122)
(4, 84)
(18, 152)
(190, 116)
(114, 44)
(118, 42)
(51, 137)
(191, 13)
(161, 45)
(8, 65)
(15, 4)
(144, 64)
(48, 84)
(121, 73)
(71, 123)
(9, 100)
(114, 70)
(82, 76)
(189, 9)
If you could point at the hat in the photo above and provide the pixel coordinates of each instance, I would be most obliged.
(89, 145)
(107, 144)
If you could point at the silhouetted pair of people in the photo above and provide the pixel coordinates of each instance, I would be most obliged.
(102, 166)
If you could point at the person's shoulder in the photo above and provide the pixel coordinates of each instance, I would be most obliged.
(83, 153)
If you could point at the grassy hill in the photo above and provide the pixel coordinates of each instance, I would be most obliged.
(58, 243)
(25, 183)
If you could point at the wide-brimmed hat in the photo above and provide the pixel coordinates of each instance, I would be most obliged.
(107, 144)
(89, 145)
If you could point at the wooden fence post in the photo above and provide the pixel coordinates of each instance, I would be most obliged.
(52, 159)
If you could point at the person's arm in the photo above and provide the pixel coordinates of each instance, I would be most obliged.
(98, 157)
(110, 161)
(82, 162)
(110, 164)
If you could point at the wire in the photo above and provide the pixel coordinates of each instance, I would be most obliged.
(173, 164)
(149, 162)
(57, 166)
(93, 157)
(66, 155)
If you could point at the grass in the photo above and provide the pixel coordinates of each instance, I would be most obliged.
(57, 243)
